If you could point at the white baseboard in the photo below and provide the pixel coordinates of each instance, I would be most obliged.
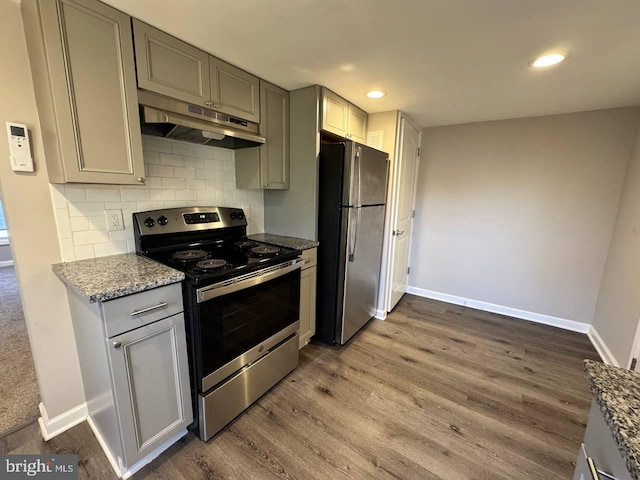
(511, 312)
(601, 347)
(6, 263)
(50, 427)
(380, 315)
(117, 463)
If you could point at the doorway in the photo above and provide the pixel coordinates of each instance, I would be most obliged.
(19, 393)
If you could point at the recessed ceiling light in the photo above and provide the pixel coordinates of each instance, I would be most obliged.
(376, 94)
(548, 60)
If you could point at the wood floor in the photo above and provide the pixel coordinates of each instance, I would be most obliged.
(435, 392)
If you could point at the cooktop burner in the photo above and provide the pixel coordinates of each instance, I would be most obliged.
(189, 255)
(265, 250)
(245, 244)
(211, 264)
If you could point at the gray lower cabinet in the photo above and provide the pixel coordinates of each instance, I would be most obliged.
(267, 166)
(133, 358)
(81, 55)
(308, 296)
(171, 67)
(599, 449)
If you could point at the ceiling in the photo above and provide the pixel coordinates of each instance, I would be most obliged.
(441, 61)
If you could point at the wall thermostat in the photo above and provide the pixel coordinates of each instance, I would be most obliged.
(19, 147)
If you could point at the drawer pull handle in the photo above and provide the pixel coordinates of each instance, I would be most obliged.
(598, 474)
(145, 310)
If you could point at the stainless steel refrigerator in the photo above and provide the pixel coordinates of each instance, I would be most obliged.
(352, 195)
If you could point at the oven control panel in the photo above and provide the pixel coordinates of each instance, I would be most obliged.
(187, 219)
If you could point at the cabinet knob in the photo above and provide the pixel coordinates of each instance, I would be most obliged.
(140, 179)
(208, 103)
(117, 345)
(265, 185)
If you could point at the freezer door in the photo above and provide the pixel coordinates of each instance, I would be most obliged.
(362, 269)
(365, 174)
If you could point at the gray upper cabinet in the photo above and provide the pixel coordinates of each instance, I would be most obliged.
(267, 166)
(343, 118)
(234, 91)
(174, 68)
(169, 66)
(81, 55)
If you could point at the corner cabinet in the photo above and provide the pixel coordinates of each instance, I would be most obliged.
(171, 67)
(343, 118)
(308, 296)
(81, 54)
(267, 166)
(135, 372)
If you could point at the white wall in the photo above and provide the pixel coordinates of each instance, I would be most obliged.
(29, 214)
(178, 174)
(618, 308)
(520, 213)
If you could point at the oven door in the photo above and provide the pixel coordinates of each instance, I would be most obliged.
(242, 319)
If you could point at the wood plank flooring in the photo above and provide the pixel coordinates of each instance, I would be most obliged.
(436, 391)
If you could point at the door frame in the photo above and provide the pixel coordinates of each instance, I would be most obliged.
(635, 350)
(391, 216)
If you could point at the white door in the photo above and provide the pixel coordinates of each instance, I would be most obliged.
(401, 219)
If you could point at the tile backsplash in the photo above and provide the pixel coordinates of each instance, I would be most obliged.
(177, 174)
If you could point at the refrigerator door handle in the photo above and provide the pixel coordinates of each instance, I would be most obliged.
(353, 233)
(358, 160)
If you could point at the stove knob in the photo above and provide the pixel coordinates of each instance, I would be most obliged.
(163, 220)
(233, 215)
(240, 216)
(149, 222)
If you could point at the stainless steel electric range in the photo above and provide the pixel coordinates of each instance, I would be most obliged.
(242, 305)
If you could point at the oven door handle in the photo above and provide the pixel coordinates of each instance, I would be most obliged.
(247, 281)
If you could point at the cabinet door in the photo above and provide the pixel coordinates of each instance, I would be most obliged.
(169, 66)
(335, 113)
(234, 91)
(92, 79)
(307, 305)
(151, 383)
(274, 155)
(357, 124)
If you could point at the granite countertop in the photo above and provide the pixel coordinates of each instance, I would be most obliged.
(105, 278)
(284, 241)
(617, 392)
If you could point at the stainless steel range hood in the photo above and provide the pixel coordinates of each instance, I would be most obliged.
(166, 117)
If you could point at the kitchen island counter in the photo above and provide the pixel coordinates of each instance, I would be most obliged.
(106, 278)
(617, 393)
(285, 241)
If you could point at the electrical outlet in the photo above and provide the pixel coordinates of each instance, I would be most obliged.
(114, 220)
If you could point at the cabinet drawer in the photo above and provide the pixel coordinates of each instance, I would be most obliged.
(310, 258)
(133, 311)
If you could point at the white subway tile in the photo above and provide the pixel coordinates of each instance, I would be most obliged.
(171, 159)
(229, 166)
(85, 209)
(203, 151)
(121, 235)
(120, 205)
(67, 251)
(215, 184)
(151, 157)
(203, 173)
(223, 154)
(156, 144)
(153, 182)
(183, 148)
(144, 206)
(90, 237)
(214, 165)
(79, 224)
(166, 171)
(83, 252)
(186, 194)
(131, 246)
(196, 184)
(75, 193)
(174, 204)
(57, 196)
(62, 223)
(107, 194)
(182, 172)
(134, 194)
(162, 195)
(151, 171)
(194, 162)
(174, 183)
(98, 222)
(228, 176)
(247, 209)
(206, 195)
(229, 186)
(113, 248)
(224, 195)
